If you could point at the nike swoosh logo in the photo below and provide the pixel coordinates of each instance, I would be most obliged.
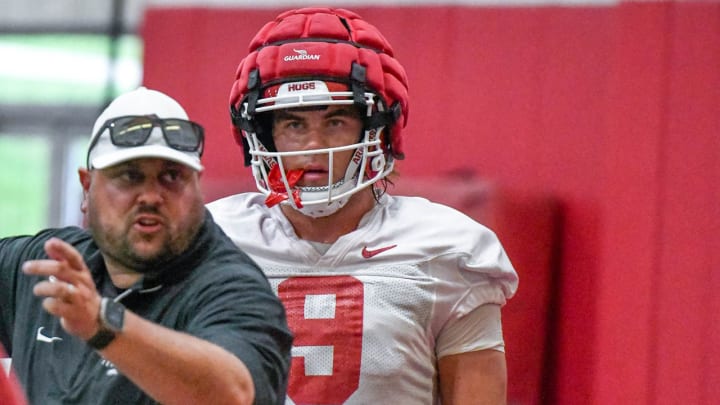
(47, 339)
(368, 253)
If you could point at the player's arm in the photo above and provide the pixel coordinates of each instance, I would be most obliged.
(478, 378)
(471, 365)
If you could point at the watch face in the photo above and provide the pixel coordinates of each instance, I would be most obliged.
(114, 315)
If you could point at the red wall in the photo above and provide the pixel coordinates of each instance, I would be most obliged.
(614, 110)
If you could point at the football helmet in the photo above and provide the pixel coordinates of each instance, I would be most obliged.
(319, 57)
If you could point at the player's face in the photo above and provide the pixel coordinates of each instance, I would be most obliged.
(144, 211)
(308, 129)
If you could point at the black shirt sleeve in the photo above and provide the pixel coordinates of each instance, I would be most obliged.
(12, 256)
(241, 314)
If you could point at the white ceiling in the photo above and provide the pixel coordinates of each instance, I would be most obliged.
(70, 15)
(96, 15)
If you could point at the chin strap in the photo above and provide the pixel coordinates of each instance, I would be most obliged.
(278, 191)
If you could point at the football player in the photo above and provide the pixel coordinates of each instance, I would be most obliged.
(392, 300)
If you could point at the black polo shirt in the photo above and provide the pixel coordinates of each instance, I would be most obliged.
(213, 291)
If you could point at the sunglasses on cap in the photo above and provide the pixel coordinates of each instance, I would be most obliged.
(135, 130)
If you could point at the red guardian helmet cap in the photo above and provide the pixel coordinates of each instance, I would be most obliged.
(320, 57)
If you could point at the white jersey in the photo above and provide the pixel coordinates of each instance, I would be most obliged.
(368, 313)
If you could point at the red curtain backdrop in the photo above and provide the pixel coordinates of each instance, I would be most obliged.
(613, 110)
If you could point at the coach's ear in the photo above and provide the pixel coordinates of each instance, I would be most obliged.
(84, 176)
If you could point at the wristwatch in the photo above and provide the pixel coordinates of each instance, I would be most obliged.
(110, 318)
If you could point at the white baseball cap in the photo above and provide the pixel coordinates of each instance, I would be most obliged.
(141, 101)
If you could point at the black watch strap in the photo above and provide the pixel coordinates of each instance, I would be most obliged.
(110, 318)
(101, 339)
